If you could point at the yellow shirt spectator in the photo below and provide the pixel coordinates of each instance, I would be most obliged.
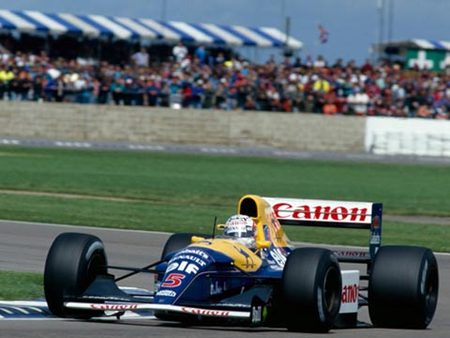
(321, 85)
(6, 75)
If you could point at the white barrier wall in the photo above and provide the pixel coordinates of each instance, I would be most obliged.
(397, 136)
(63, 121)
(314, 132)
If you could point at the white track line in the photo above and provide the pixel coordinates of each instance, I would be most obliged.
(14, 304)
(124, 317)
(34, 318)
(6, 311)
(23, 302)
(35, 309)
(25, 312)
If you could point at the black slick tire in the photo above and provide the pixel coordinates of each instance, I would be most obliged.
(311, 290)
(177, 242)
(403, 287)
(73, 262)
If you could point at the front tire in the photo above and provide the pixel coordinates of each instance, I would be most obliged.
(403, 287)
(73, 262)
(311, 290)
(177, 242)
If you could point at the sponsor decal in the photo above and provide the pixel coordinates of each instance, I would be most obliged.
(114, 307)
(319, 213)
(217, 287)
(205, 312)
(234, 226)
(191, 258)
(358, 254)
(375, 239)
(184, 266)
(173, 280)
(197, 252)
(349, 294)
(278, 257)
(249, 263)
(166, 293)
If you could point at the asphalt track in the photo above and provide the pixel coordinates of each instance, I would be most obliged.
(23, 247)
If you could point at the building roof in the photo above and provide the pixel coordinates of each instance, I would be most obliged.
(419, 44)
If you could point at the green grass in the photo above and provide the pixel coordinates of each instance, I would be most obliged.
(126, 215)
(217, 182)
(20, 285)
(174, 192)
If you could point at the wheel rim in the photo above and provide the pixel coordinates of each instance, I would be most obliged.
(431, 292)
(96, 266)
(331, 289)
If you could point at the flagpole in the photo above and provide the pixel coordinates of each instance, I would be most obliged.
(390, 20)
(287, 51)
(380, 26)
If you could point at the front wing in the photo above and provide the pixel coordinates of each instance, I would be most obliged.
(121, 307)
(104, 295)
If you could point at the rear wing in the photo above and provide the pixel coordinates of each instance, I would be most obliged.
(335, 214)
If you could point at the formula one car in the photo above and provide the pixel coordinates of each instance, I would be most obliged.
(204, 279)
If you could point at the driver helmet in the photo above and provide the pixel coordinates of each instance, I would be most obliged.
(241, 228)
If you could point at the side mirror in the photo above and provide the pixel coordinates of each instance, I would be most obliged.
(263, 244)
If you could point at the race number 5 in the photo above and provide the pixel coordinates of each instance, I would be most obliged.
(173, 280)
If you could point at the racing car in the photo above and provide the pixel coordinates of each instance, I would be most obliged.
(216, 278)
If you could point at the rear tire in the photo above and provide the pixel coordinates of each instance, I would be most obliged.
(73, 262)
(311, 290)
(403, 287)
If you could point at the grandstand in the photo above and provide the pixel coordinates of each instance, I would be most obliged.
(41, 62)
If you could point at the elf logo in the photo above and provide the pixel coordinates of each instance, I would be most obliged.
(183, 266)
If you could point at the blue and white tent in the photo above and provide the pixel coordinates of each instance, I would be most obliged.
(419, 44)
(144, 29)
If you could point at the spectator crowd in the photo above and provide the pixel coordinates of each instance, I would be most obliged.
(196, 80)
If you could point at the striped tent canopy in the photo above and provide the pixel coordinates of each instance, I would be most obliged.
(419, 44)
(144, 29)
